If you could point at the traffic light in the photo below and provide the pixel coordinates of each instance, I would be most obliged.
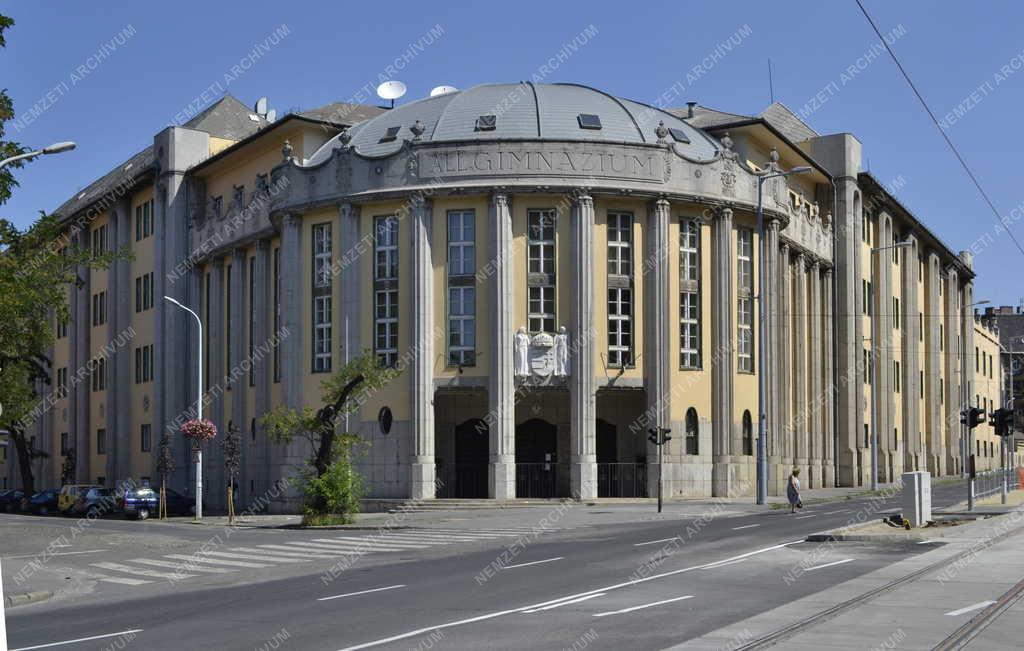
(972, 417)
(652, 435)
(1002, 421)
(659, 435)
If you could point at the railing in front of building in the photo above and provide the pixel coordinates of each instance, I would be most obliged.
(622, 480)
(990, 482)
(461, 480)
(542, 480)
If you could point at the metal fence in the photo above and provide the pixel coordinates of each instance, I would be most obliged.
(542, 480)
(462, 480)
(990, 482)
(622, 480)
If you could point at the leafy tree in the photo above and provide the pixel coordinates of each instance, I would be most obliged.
(36, 267)
(165, 465)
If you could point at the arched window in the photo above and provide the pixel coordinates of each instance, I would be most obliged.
(252, 429)
(748, 434)
(692, 445)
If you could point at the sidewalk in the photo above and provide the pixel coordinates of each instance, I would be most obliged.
(957, 582)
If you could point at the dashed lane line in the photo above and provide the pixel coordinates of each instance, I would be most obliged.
(352, 594)
(641, 607)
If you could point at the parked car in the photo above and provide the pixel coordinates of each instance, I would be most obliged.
(10, 500)
(44, 502)
(69, 494)
(141, 503)
(96, 502)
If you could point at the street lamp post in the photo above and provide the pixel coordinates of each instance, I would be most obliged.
(1004, 444)
(874, 365)
(762, 334)
(199, 407)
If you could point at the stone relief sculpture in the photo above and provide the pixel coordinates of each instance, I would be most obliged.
(521, 348)
(562, 353)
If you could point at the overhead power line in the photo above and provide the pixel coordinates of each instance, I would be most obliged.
(945, 137)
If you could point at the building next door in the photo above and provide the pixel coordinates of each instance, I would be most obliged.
(537, 465)
(467, 477)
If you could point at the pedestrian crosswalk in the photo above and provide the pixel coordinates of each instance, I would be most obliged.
(226, 559)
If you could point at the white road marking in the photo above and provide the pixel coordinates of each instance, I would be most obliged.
(746, 526)
(804, 517)
(281, 550)
(653, 542)
(481, 534)
(928, 542)
(967, 609)
(90, 551)
(818, 567)
(75, 641)
(501, 613)
(180, 566)
(268, 557)
(564, 603)
(128, 569)
(546, 560)
(832, 512)
(651, 605)
(717, 565)
(431, 537)
(120, 581)
(352, 594)
(343, 546)
(215, 561)
(404, 544)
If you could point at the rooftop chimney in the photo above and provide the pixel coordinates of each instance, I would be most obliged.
(689, 109)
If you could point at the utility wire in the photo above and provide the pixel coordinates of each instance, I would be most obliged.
(949, 142)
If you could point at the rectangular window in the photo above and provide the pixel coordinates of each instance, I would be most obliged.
(976, 360)
(689, 294)
(99, 241)
(323, 251)
(385, 279)
(64, 443)
(99, 374)
(895, 313)
(277, 313)
(146, 438)
(322, 334)
(238, 198)
(620, 289)
(745, 300)
(101, 441)
(99, 308)
(62, 382)
(143, 220)
(144, 292)
(620, 326)
(461, 288)
(216, 207)
(541, 274)
(896, 375)
(144, 364)
(920, 381)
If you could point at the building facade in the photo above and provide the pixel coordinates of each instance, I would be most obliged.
(553, 270)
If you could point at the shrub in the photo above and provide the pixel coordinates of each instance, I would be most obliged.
(336, 493)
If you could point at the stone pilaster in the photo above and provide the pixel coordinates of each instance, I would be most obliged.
(214, 362)
(911, 364)
(658, 350)
(351, 314)
(828, 374)
(422, 484)
(291, 457)
(722, 359)
(801, 406)
(119, 381)
(501, 392)
(815, 434)
(262, 364)
(771, 308)
(954, 400)
(582, 389)
(784, 362)
(81, 393)
(934, 369)
(883, 315)
(965, 322)
(239, 352)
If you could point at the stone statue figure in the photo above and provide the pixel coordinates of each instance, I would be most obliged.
(562, 353)
(522, 352)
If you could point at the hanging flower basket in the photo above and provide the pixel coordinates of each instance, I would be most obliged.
(199, 431)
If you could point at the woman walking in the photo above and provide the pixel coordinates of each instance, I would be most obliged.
(793, 490)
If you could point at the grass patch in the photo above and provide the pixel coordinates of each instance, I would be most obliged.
(326, 519)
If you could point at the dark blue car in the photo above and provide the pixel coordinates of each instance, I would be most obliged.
(10, 500)
(140, 503)
(44, 502)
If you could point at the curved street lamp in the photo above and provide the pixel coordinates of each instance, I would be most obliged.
(199, 406)
(55, 148)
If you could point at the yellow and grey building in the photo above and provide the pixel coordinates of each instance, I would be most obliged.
(554, 269)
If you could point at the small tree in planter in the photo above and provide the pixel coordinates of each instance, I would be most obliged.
(165, 465)
(67, 469)
(232, 448)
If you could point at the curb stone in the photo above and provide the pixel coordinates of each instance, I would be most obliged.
(26, 598)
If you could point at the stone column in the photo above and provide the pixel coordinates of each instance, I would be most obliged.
(784, 361)
(815, 449)
(213, 329)
(883, 311)
(658, 349)
(352, 315)
(422, 484)
(291, 457)
(501, 401)
(722, 333)
(955, 402)
(801, 409)
(119, 380)
(934, 368)
(771, 308)
(80, 348)
(911, 420)
(828, 374)
(262, 365)
(582, 389)
(239, 352)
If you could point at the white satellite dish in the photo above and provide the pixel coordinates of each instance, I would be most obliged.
(261, 106)
(443, 90)
(391, 90)
(271, 115)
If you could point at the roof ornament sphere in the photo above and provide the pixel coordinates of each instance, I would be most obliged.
(727, 141)
(286, 151)
(774, 156)
(662, 132)
(345, 138)
(417, 129)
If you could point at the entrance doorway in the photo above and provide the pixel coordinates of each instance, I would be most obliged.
(538, 471)
(467, 477)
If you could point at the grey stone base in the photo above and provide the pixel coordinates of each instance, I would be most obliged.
(583, 479)
(423, 481)
(502, 480)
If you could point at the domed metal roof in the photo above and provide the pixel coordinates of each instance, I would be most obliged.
(523, 111)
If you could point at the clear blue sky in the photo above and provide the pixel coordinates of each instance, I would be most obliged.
(176, 51)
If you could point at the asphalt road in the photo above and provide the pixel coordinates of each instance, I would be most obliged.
(632, 585)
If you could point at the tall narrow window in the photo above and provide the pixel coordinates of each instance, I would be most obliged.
(322, 251)
(689, 294)
(385, 281)
(252, 319)
(692, 432)
(461, 288)
(541, 275)
(277, 313)
(620, 289)
(145, 438)
(228, 339)
(748, 434)
(206, 332)
(101, 441)
(745, 300)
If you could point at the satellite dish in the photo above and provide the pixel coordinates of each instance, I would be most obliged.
(261, 106)
(391, 90)
(271, 115)
(443, 90)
